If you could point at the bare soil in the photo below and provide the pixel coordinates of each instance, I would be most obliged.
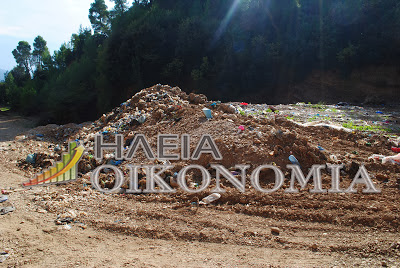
(171, 230)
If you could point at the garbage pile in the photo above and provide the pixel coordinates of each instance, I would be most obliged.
(340, 116)
(242, 139)
(244, 135)
(5, 209)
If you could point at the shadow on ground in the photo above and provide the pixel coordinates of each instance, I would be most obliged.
(12, 125)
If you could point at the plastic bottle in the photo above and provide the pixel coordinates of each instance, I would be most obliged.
(31, 158)
(294, 160)
(392, 159)
(376, 157)
(207, 113)
(209, 199)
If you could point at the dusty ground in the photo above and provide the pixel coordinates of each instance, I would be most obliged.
(168, 231)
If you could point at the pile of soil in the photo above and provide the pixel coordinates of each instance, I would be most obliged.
(235, 218)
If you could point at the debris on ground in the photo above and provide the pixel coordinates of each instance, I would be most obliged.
(4, 256)
(209, 199)
(245, 133)
(6, 210)
(3, 198)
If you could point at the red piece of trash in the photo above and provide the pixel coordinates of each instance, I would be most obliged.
(244, 103)
(396, 149)
(241, 128)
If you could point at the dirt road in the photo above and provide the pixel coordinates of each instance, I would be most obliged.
(148, 231)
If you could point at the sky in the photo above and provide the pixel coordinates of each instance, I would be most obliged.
(54, 20)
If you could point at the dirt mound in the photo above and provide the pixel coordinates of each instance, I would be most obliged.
(162, 109)
(267, 138)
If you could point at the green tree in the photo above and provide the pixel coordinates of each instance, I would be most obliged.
(63, 57)
(40, 51)
(12, 92)
(99, 17)
(78, 41)
(22, 55)
(3, 96)
(120, 6)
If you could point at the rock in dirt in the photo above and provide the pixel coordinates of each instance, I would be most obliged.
(275, 231)
(314, 247)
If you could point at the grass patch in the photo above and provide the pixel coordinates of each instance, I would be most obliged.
(319, 118)
(351, 125)
(318, 106)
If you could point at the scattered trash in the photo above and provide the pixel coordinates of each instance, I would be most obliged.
(114, 162)
(293, 160)
(395, 141)
(376, 157)
(4, 256)
(392, 159)
(3, 198)
(141, 119)
(31, 158)
(277, 139)
(6, 210)
(209, 199)
(39, 137)
(396, 149)
(326, 125)
(333, 158)
(379, 112)
(63, 221)
(207, 113)
(244, 104)
(241, 128)
(57, 148)
(65, 227)
(20, 138)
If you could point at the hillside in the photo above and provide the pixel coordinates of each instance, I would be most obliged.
(255, 50)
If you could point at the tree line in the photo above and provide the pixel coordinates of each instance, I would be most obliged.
(228, 50)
